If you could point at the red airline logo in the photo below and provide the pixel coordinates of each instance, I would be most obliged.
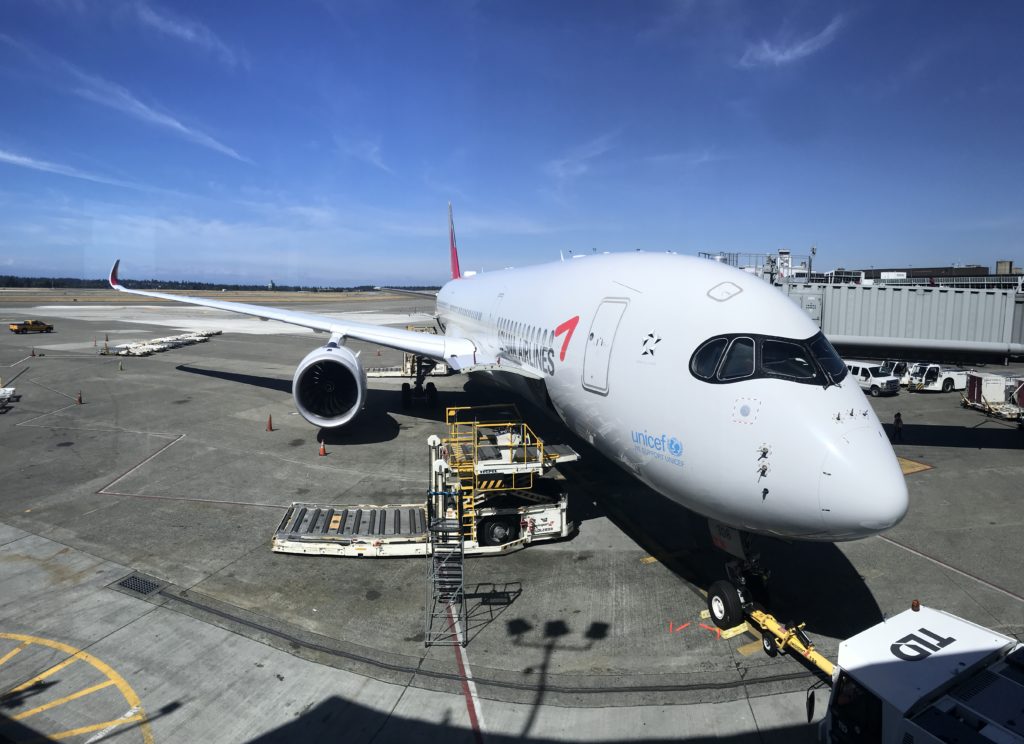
(567, 328)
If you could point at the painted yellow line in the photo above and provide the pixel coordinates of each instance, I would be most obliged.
(13, 652)
(123, 687)
(48, 673)
(748, 649)
(909, 467)
(662, 557)
(94, 727)
(65, 699)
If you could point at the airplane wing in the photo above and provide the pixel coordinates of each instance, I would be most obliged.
(416, 292)
(459, 353)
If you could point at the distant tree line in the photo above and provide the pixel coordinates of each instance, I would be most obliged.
(37, 282)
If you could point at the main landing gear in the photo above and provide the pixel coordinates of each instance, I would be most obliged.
(418, 392)
(731, 600)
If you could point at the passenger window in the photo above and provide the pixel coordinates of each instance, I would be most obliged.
(739, 360)
(786, 359)
(705, 361)
(864, 374)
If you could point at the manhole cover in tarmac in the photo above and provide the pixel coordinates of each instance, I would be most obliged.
(138, 584)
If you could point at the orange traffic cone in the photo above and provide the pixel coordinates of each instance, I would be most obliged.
(270, 423)
(33, 352)
(323, 449)
(78, 400)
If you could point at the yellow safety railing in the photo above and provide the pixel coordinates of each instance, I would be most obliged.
(464, 442)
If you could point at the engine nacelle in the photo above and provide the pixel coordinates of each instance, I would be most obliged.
(329, 386)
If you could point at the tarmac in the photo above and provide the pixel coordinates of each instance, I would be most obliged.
(165, 472)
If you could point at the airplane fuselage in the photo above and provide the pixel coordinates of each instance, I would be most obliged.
(752, 431)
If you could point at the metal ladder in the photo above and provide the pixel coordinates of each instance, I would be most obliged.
(445, 622)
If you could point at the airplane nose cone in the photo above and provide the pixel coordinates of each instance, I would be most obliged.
(861, 489)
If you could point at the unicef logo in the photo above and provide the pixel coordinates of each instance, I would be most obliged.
(675, 447)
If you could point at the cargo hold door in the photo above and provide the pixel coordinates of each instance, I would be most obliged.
(598, 353)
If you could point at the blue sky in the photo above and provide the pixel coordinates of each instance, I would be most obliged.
(319, 142)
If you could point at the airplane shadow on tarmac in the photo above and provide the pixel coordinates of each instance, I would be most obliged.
(373, 424)
(810, 582)
(996, 435)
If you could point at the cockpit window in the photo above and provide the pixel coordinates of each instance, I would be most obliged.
(735, 357)
(827, 358)
(705, 361)
(739, 360)
(787, 359)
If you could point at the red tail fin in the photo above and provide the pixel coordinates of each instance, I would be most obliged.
(456, 273)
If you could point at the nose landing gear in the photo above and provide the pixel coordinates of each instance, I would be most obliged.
(731, 600)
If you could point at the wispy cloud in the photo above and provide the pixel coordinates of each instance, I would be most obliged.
(684, 158)
(106, 93)
(187, 30)
(119, 98)
(578, 161)
(775, 54)
(368, 152)
(23, 161)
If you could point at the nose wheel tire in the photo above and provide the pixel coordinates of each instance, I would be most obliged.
(724, 605)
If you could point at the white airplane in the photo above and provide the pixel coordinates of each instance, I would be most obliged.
(704, 382)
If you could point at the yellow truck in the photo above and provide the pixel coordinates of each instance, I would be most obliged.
(29, 326)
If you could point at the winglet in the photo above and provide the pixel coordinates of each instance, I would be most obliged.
(114, 282)
(456, 273)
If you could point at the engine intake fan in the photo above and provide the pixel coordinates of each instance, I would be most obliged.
(329, 386)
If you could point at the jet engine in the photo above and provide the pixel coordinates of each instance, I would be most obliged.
(329, 386)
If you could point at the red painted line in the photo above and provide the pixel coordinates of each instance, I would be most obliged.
(468, 688)
(717, 631)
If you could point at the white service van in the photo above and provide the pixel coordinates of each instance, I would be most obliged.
(872, 379)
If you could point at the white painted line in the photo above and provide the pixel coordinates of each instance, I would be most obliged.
(966, 575)
(102, 733)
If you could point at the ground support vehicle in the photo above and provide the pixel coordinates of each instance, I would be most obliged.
(925, 676)
(7, 394)
(872, 379)
(490, 481)
(145, 348)
(898, 368)
(936, 377)
(30, 326)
